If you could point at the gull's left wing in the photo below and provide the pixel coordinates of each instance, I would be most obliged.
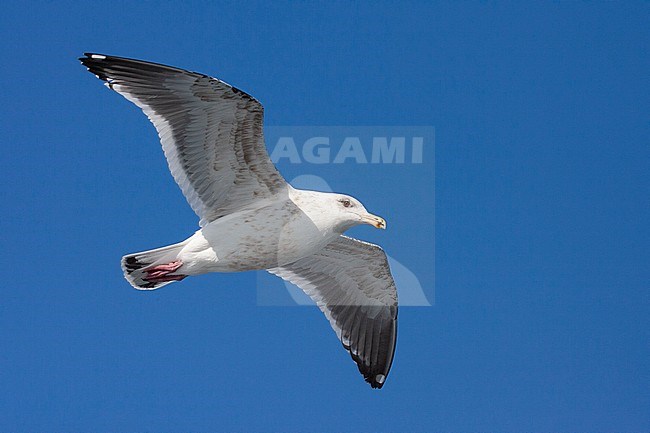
(351, 283)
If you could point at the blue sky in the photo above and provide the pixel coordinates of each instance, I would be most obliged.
(541, 319)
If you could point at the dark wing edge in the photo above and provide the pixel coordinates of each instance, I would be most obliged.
(350, 281)
(93, 61)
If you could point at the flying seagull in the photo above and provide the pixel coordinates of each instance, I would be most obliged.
(250, 217)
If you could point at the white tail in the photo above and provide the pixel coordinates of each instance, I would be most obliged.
(135, 265)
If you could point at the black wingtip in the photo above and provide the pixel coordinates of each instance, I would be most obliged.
(97, 64)
(92, 56)
(376, 381)
(374, 378)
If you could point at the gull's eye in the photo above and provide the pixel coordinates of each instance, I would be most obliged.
(345, 202)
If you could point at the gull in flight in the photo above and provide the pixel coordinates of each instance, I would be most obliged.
(250, 217)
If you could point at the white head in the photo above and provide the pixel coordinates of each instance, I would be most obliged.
(333, 211)
(350, 212)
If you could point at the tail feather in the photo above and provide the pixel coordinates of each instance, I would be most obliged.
(135, 265)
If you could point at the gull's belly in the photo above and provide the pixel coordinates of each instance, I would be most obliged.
(250, 240)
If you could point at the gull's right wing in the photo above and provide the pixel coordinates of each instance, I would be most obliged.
(211, 132)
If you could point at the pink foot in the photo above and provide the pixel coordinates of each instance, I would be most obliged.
(169, 267)
(163, 273)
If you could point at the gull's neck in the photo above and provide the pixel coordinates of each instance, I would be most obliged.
(320, 208)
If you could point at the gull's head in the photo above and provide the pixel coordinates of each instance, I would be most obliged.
(351, 212)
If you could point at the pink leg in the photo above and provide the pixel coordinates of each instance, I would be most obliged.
(163, 273)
